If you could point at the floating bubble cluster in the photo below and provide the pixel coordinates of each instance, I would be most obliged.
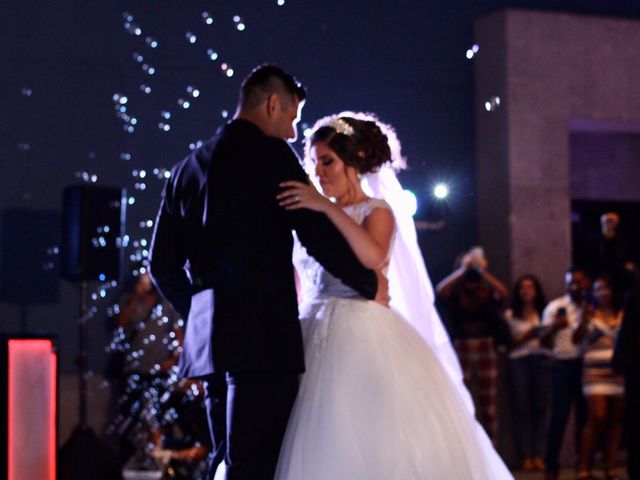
(120, 106)
(492, 104)
(148, 69)
(139, 173)
(52, 253)
(162, 173)
(191, 92)
(472, 51)
(194, 145)
(146, 224)
(151, 42)
(240, 25)
(87, 177)
(194, 92)
(132, 28)
(227, 70)
(191, 37)
(164, 125)
(207, 18)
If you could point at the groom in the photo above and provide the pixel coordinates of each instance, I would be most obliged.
(221, 254)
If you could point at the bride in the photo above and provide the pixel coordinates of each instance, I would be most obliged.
(382, 397)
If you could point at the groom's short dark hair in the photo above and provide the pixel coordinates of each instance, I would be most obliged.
(265, 80)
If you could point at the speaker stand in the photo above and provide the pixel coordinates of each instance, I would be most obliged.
(82, 355)
(85, 455)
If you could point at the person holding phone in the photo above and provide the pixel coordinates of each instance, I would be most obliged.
(603, 387)
(560, 318)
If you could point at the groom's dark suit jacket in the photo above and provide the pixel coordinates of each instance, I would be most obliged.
(221, 254)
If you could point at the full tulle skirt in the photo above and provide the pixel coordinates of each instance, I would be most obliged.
(376, 404)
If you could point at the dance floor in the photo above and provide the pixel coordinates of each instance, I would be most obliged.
(565, 475)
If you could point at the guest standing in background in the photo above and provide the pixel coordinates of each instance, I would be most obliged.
(529, 363)
(474, 297)
(615, 254)
(603, 388)
(559, 319)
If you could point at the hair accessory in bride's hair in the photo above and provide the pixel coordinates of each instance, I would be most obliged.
(340, 126)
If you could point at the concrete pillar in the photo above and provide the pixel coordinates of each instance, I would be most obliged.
(551, 71)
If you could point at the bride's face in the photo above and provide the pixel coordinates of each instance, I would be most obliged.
(332, 173)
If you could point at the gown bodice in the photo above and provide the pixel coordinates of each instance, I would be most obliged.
(316, 282)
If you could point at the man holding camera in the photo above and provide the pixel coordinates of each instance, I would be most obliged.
(473, 297)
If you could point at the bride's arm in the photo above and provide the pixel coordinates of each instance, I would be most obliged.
(369, 242)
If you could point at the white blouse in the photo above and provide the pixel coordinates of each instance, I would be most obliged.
(518, 327)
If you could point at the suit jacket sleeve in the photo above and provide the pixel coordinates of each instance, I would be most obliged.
(320, 237)
(168, 251)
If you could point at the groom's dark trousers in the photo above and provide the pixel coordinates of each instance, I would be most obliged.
(221, 254)
(260, 405)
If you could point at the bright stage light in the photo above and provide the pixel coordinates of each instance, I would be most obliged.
(410, 201)
(441, 191)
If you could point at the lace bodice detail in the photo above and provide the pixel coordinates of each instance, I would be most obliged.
(316, 282)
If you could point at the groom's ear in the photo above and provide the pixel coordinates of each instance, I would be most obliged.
(273, 102)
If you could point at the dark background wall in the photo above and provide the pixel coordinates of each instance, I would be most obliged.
(63, 61)
(611, 156)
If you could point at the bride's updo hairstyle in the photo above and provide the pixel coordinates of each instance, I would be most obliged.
(359, 142)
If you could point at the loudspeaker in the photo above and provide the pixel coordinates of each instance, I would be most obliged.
(29, 273)
(93, 219)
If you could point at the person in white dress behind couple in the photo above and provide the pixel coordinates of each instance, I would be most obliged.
(382, 397)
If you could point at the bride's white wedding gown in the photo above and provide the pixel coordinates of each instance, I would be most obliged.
(375, 402)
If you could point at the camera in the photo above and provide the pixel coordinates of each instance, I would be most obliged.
(472, 275)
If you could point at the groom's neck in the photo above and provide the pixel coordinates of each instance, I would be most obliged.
(254, 117)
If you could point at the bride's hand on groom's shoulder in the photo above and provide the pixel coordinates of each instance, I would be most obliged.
(298, 195)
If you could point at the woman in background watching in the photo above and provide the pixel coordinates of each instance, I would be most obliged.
(603, 388)
(529, 369)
